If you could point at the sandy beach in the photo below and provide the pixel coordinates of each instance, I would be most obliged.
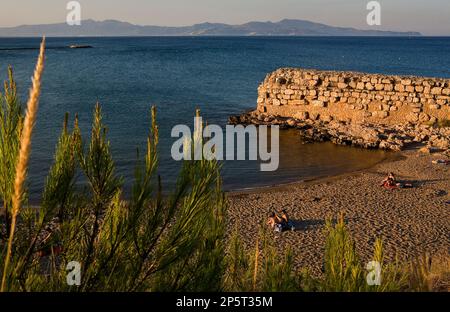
(411, 221)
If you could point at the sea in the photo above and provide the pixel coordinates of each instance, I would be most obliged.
(218, 75)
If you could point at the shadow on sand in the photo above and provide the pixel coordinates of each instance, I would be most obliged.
(303, 225)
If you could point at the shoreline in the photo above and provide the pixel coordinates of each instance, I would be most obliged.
(257, 189)
(411, 222)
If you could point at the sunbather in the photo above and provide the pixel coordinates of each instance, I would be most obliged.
(272, 220)
(389, 181)
(284, 216)
(287, 223)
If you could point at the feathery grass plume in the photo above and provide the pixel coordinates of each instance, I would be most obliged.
(24, 153)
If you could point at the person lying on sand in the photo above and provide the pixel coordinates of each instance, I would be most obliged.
(287, 223)
(441, 162)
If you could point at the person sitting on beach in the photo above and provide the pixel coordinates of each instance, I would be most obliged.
(280, 220)
(284, 216)
(272, 220)
(275, 222)
(389, 181)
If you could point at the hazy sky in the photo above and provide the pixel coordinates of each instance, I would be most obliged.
(431, 17)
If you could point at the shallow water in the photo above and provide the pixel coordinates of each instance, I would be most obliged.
(300, 161)
(218, 75)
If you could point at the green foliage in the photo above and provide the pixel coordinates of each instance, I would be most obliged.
(11, 123)
(342, 268)
(345, 272)
(152, 242)
(265, 269)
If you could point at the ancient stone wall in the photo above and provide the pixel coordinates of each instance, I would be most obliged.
(356, 97)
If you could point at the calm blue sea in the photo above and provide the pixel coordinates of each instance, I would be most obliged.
(216, 74)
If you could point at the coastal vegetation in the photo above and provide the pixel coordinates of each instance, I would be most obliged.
(151, 242)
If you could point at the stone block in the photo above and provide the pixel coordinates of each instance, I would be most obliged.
(406, 82)
(301, 115)
(413, 117)
(388, 87)
(297, 102)
(289, 92)
(369, 86)
(424, 117)
(434, 106)
(393, 108)
(436, 91)
(399, 87)
(318, 103)
(419, 88)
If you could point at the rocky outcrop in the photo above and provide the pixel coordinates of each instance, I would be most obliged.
(366, 135)
(347, 108)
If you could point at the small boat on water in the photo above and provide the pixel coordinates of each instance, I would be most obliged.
(77, 46)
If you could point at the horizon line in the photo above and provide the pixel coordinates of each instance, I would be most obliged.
(219, 23)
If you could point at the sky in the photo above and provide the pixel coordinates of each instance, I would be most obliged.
(430, 17)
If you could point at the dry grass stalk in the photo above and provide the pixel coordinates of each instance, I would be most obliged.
(24, 153)
(255, 272)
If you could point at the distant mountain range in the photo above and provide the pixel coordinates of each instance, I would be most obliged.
(116, 28)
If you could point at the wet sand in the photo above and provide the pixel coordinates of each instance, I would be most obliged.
(411, 221)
